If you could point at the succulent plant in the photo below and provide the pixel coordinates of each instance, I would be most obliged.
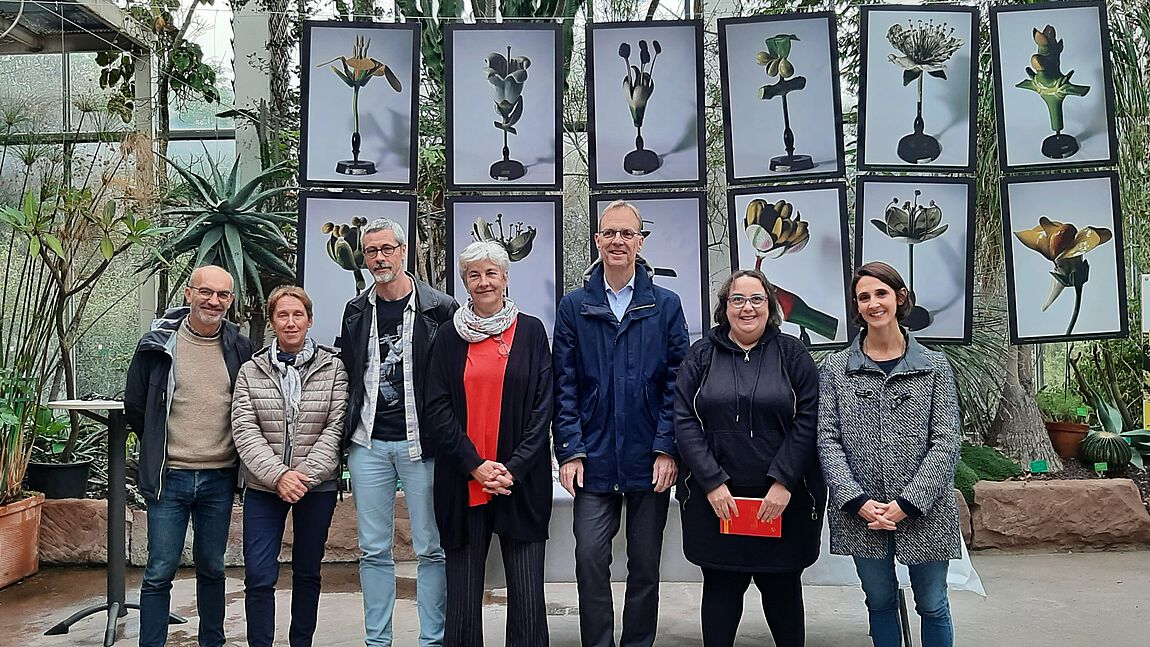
(345, 247)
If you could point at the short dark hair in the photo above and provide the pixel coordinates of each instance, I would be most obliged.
(774, 312)
(889, 276)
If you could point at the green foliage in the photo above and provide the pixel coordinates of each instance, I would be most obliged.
(16, 394)
(988, 463)
(1102, 446)
(964, 480)
(1057, 405)
(224, 225)
(181, 62)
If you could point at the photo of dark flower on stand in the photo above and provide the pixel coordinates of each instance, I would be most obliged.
(925, 47)
(1066, 246)
(1048, 81)
(776, 63)
(507, 76)
(913, 224)
(357, 70)
(639, 85)
(774, 230)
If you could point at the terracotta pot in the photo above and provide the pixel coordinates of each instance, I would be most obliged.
(1065, 437)
(20, 539)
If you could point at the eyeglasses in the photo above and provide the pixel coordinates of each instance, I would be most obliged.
(627, 234)
(386, 250)
(207, 293)
(756, 301)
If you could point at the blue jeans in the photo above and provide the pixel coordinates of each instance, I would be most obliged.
(264, 517)
(205, 497)
(374, 473)
(928, 580)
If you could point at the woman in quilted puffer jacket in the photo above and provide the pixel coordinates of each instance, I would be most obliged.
(287, 417)
(888, 441)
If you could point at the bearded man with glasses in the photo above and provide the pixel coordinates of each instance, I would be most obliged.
(385, 343)
(618, 343)
(178, 400)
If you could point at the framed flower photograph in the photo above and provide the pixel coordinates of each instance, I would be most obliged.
(674, 246)
(782, 112)
(645, 126)
(1053, 86)
(358, 91)
(1065, 277)
(530, 229)
(513, 140)
(923, 227)
(329, 261)
(918, 87)
(797, 235)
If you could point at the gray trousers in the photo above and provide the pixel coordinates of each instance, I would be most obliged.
(597, 518)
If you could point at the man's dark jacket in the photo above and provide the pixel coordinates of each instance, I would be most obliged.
(433, 308)
(615, 381)
(147, 395)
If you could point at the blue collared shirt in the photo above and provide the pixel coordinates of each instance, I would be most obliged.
(621, 299)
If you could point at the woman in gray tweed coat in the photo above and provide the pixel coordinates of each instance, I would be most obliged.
(889, 439)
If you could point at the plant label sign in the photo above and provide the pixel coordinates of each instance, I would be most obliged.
(1039, 467)
(1100, 467)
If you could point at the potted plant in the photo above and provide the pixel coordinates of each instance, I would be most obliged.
(53, 470)
(1061, 412)
(19, 508)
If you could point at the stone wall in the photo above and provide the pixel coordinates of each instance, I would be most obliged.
(1013, 515)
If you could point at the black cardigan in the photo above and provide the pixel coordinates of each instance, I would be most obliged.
(524, 435)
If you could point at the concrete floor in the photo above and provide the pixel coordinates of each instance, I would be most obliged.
(1074, 600)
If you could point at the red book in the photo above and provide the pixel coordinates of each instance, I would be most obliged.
(747, 523)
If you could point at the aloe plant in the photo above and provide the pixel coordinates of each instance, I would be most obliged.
(225, 226)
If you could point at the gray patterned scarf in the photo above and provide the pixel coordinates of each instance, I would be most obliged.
(290, 382)
(473, 328)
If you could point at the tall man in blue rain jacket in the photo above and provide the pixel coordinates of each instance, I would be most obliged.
(178, 400)
(618, 343)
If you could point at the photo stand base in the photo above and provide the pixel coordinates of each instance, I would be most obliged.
(1059, 146)
(641, 162)
(918, 148)
(507, 170)
(792, 163)
(355, 167)
(918, 318)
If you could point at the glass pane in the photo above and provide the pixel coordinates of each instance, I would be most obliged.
(35, 82)
(87, 101)
(212, 31)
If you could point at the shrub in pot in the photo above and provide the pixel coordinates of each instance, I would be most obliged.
(1064, 424)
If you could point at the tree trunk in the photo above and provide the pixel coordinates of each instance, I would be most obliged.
(1018, 425)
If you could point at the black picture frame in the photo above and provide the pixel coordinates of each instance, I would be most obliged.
(1008, 108)
(1069, 192)
(315, 158)
(605, 132)
(829, 111)
(880, 120)
(480, 121)
(455, 205)
(872, 194)
(824, 288)
(317, 272)
(693, 213)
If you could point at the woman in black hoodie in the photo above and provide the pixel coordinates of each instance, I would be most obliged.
(746, 411)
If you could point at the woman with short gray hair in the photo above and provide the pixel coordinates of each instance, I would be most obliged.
(488, 409)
